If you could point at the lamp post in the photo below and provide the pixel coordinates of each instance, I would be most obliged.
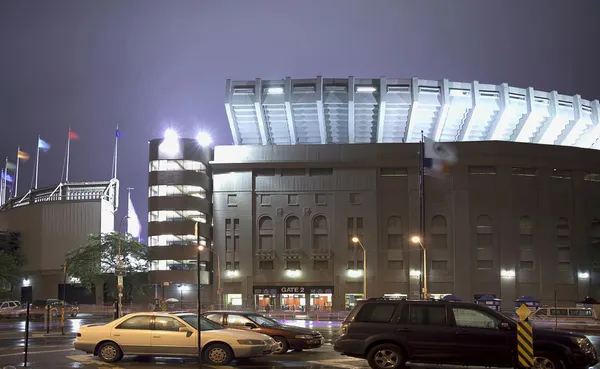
(417, 240)
(64, 298)
(119, 271)
(356, 241)
(200, 248)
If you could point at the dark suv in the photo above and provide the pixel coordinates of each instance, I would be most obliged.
(388, 333)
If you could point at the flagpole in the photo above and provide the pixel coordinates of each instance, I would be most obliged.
(17, 172)
(68, 156)
(37, 163)
(5, 180)
(116, 156)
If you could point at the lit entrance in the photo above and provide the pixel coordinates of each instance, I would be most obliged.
(233, 300)
(320, 302)
(352, 299)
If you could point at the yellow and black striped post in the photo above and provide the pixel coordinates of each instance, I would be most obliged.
(525, 344)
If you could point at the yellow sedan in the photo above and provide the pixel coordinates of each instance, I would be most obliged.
(164, 334)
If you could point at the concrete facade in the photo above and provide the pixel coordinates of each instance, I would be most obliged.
(510, 219)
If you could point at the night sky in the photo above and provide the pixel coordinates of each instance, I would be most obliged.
(149, 64)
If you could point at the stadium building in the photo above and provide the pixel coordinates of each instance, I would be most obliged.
(51, 222)
(317, 162)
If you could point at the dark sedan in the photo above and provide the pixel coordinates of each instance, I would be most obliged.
(287, 337)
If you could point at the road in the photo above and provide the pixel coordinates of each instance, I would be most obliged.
(56, 351)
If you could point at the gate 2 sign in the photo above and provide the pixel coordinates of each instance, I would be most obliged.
(272, 290)
(292, 290)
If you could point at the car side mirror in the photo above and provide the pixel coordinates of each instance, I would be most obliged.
(184, 329)
(251, 325)
(504, 326)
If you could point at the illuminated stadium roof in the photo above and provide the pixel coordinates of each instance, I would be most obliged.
(358, 110)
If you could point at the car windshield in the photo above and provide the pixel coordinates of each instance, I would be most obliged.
(264, 321)
(205, 324)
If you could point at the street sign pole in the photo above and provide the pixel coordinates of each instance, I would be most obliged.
(198, 309)
(524, 338)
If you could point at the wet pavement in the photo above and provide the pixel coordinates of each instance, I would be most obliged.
(56, 351)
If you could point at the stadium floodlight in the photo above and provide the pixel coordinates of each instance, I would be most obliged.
(275, 90)
(170, 144)
(204, 139)
(366, 89)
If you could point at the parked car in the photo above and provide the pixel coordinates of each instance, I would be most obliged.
(287, 337)
(388, 333)
(38, 308)
(169, 334)
(9, 309)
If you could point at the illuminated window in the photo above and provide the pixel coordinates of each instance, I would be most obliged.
(176, 190)
(176, 216)
(175, 240)
(176, 165)
(175, 265)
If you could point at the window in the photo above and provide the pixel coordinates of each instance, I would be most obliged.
(176, 216)
(293, 199)
(293, 172)
(175, 240)
(564, 266)
(526, 265)
(176, 165)
(231, 200)
(485, 264)
(427, 314)
(524, 172)
(137, 322)
(217, 318)
(292, 232)
(292, 265)
(439, 232)
(561, 174)
(175, 265)
(395, 236)
(265, 233)
(355, 265)
(393, 172)
(482, 170)
(320, 233)
(234, 320)
(355, 199)
(166, 323)
(469, 318)
(265, 200)
(320, 264)
(265, 172)
(575, 312)
(265, 265)
(439, 264)
(176, 190)
(376, 313)
(320, 171)
(592, 177)
(563, 244)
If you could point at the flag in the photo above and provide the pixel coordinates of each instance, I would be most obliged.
(73, 135)
(134, 227)
(7, 177)
(43, 145)
(22, 155)
(10, 165)
(438, 157)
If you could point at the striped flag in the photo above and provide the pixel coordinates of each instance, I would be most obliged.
(22, 155)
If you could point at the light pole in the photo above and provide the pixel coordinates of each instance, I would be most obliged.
(200, 248)
(356, 241)
(119, 271)
(417, 240)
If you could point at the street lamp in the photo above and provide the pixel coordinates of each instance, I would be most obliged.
(417, 240)
(356, 241)
(119, 271)
(200, 248)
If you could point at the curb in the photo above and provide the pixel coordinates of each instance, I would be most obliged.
(52, 335)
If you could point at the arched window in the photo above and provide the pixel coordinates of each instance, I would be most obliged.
(292, 233)
(320, 233)
(525, 233)
(563, 244)
(265, 233)
(484, 242)
(439, 232)
(394, 233)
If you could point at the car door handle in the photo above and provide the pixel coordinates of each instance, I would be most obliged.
(156, 336)
(462, 332)
(404, 330)
(116, 335)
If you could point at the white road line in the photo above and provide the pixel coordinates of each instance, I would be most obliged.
(343, 363)
(37, 352)
(88, 359)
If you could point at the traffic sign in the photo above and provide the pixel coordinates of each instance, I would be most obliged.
(525, 344)
(524, 312)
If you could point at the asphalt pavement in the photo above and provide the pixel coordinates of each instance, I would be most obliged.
(54, 351)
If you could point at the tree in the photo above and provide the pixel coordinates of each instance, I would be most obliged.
(11, 259)
(97, 260)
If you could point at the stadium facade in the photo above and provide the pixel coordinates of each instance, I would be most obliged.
(53, 221)
(319, 161)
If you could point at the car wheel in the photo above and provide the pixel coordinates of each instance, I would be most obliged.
(386, 356)
(110, 352)
(282, 346)
(547, 360)
(218, 354)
